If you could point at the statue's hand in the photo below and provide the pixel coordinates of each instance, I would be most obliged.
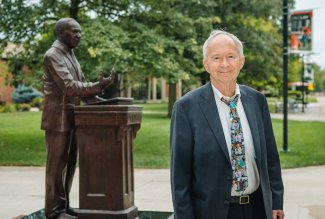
(106, 81)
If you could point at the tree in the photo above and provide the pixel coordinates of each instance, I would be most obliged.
(31, 25)
(254, 22)
(146, 38)
(294, 72)
(180, 53)
(319, 78)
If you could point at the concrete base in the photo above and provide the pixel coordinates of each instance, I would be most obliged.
(141, 215)
(131, 213)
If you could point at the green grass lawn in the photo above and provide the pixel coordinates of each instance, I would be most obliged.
(152, 141)
(22, 141)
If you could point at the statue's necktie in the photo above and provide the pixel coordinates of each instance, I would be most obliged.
(238, 159)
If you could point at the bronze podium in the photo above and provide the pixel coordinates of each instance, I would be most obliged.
(105, 135)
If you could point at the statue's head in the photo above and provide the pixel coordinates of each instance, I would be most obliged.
(68, 32)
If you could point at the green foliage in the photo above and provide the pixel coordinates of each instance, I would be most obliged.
(17, 21)
(7, 108)
(294, 71)
(102, 48)
(262, 51)
(145, 38)
(319, 78)
(23, 107)
(165, 41)
(256, 24)
(37, 102)
(294, 94)
(3, 69)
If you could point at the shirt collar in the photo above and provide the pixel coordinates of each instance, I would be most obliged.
(219, 95)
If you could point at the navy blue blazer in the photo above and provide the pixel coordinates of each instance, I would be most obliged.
(201, 174)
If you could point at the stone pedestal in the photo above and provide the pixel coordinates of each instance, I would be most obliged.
(105, 135)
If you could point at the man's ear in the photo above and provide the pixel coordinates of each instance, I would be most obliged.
(242, 62)
(59, 34)
(204, 61)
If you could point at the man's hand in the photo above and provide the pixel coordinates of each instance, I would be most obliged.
(278, 214)
(105, 82)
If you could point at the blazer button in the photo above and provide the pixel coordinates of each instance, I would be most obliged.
(226, 202)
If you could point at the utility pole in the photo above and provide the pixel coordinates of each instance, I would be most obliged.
(285, 75)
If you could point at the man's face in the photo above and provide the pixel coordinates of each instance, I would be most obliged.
(71, 34)
(223, 61)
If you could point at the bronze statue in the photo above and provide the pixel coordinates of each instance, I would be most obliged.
(64, 88)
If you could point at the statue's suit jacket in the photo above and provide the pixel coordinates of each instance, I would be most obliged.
(201, 174)
(64, 84)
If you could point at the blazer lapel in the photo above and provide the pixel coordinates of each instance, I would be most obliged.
(77, 66)
(210, 111)
(74, 67)
(74, 64)
(250, 111)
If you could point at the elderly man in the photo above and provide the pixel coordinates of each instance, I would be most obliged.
(64, 88)
(224, 159)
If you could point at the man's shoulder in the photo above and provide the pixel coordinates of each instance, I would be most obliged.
(251, 92)
(56, 49)
(50, 52)
(192, 99)
(196, 93)
(54, 55)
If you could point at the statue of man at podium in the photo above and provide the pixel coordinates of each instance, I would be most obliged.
(64, 88)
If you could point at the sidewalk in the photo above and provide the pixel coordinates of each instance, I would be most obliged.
(313, 112)
(22, 191)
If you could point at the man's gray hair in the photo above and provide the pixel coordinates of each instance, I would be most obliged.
(62, 24)
(214, 33)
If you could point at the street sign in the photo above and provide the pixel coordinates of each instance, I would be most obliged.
(301, 31)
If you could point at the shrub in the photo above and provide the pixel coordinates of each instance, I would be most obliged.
(294, 94)
(8, 108)
(23, 107)
(24, 94)
(37, 102)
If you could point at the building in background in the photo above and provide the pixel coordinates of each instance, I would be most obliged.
(5, 89)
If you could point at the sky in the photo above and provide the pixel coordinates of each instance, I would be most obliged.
(318, 28)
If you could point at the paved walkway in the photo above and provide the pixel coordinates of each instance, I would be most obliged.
(22, 191)
(22, 188)
(313, 112)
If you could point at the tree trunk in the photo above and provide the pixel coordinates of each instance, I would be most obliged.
(172, 98)
(149, 89)
(163, 89)
(129, 92)
(154, 89)
(74, 9)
